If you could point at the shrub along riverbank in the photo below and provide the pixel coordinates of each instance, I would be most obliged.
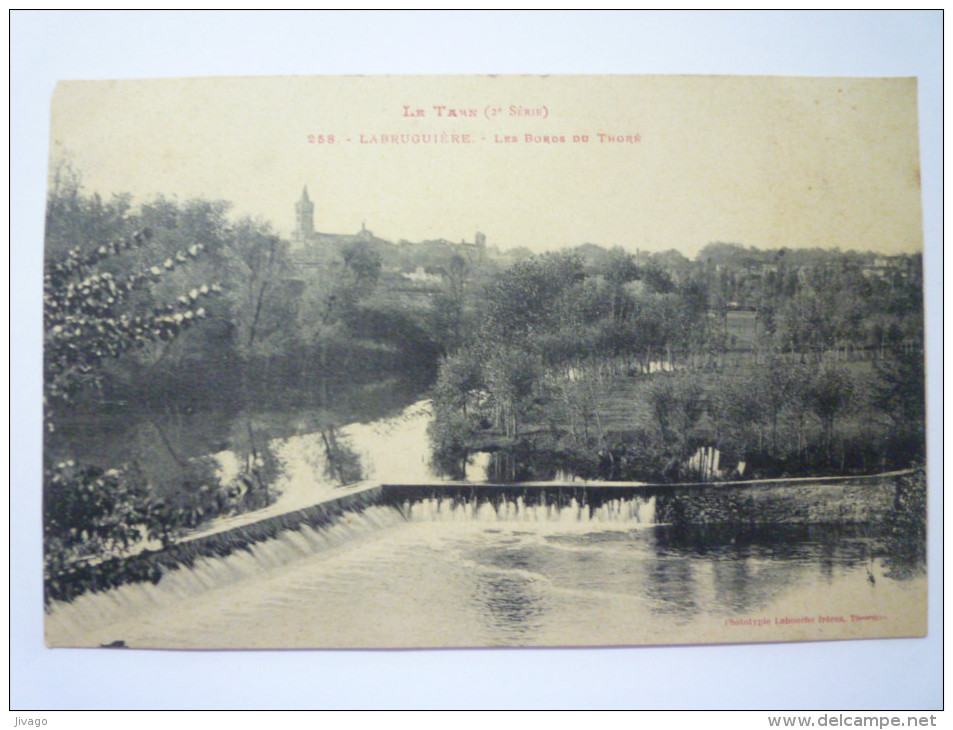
(780, 418)
(624, 373)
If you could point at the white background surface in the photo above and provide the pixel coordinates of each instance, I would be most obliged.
(48, 46)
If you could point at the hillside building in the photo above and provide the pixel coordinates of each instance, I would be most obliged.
(311, 248)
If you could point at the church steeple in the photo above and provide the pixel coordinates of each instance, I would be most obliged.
(304, 218)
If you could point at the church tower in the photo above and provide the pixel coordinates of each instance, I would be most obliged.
(304, 217)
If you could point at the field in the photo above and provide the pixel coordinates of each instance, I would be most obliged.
(742, 329)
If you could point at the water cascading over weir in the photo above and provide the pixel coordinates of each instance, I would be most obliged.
(245, 554)
(252, 547)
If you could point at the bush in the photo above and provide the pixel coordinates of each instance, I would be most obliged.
(904, 545)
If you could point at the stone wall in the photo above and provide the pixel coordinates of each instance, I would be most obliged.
(865, 499)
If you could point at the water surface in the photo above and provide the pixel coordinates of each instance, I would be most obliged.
(439, 573)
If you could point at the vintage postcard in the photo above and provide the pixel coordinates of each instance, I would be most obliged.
(365, 362)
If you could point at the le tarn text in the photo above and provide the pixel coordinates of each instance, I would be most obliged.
(489, 111)
(463, 136)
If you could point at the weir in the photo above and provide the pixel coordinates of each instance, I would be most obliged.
(238, 550)
(531, 506)
(532, 501)
(250, 546)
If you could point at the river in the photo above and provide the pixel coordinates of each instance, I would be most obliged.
(374, 430)
(437, 576)
(442, 572)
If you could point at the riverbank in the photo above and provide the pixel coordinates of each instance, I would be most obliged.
(787, 416)
(851, 500)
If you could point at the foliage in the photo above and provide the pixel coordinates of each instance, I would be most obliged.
(512, 377)
(459, 381)
(576, 404)
(364, 265)
(830, 395)
(525, 299)
(658, 279)
(678, 403)
(899, 388)
(904, 545)
(552, 327)
(89, 512)
(257, 264)
(98, 306)
(74, 220)
(195, 497)
(89, 314)
(451, 433)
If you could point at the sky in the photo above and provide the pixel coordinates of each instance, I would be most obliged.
(643, 162)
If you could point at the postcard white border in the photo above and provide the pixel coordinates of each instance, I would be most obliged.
(47, 46)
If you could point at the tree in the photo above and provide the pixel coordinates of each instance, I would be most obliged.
(459, 377)
(331, 299)
(451, 435)
(657, 279)
(524, 300)
(620, 268)
(342, 463)
(77, 221)
(899, 389)
(578, 403)
(90, 512)
(898, 392)
(804, 324)
(830, 395)
(512, 376)
(692, 328)
(448, 320)
(89, 314)
(781, 384)
(97, 308)
(261, 307)
(677, 403)
(363, 263)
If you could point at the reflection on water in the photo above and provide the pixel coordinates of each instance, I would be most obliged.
(753, 566)
(512, 606)
(389, 577)
(160, 437)
(671, 584)
(292, 448)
